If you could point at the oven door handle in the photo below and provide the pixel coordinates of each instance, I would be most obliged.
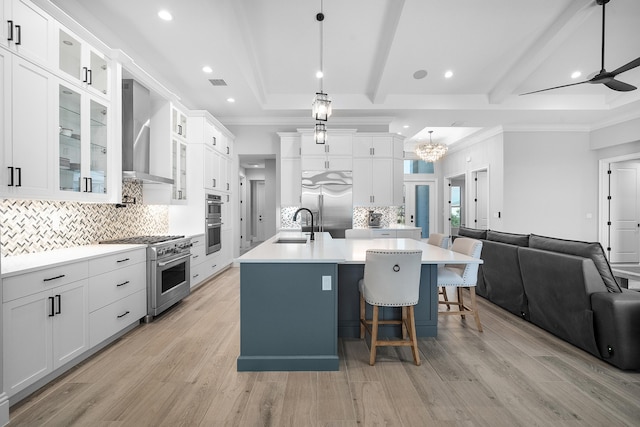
(164, 264)
(215, 224)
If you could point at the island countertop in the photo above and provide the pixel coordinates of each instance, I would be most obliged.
(325, 249)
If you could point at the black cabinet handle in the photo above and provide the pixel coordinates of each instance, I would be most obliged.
(195, 256)
(10, 176)
(214, 182)
(214, 140)
(90, 187)
(123, 314)
(18, 34)
(179, 129)
(123, 260)
(51, 307)
(122, 284)
(85, 70)
(59, 298)
(10, 38)
(195, 275)
(19, 170)
(90, 77)
(227, 150)
(54, 278)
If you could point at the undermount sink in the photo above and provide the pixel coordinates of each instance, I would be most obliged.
(300, 240)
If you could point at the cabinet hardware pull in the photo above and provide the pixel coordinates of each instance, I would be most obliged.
(123, 260)
(195, 275)
(90, 75)
(51, 307)
(214, 182)
(195, 256)
(179, 129)
(18, 34)
(54, 278)
(59, 298)
(122, 284)
(86, 74)
(227, 188)
(10, 176)
(90, 186)
(123, 314)
(19, 170)
(10, 38)
(214, 140)
(227, 150)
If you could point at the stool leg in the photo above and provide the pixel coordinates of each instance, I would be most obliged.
(443, 291)
(362, 311)
(374, 336)
(474, 307)
(404, 323)
(460, 301)
(412, 336)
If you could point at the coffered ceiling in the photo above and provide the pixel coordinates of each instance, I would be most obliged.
(267, 52)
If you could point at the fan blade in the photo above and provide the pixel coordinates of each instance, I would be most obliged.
(633, 64)
(620, 86)
(555, 87)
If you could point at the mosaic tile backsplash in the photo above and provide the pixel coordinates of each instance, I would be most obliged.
(29, 226)
(390, 215)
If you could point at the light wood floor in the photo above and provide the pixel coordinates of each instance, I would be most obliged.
(180, 370)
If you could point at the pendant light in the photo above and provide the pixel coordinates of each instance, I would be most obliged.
(430, 152)
(321, 107)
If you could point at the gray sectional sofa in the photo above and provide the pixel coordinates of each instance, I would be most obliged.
(563, 286)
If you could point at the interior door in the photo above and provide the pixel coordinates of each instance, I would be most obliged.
(481, 200)
(456, 204)
(259, 206)
(625, 216)
(420, 206)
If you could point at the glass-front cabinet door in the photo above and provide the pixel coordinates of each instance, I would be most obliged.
(83, 143)
(179, 170)
(84, 64)
(70, 134)
(98, 152)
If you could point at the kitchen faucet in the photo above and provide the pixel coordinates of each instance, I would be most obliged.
(295, 218)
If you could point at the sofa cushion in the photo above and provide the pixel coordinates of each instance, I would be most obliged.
(591, 250)
(474, 233)
(502, 278)
(509, 238)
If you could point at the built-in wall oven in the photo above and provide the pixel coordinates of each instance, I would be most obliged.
(213, 223)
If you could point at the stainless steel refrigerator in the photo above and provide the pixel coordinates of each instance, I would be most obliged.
(328, 194)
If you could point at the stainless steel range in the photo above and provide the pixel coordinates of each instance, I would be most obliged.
(168, 270)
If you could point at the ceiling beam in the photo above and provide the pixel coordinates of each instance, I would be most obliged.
(375, 92)
(550, 38)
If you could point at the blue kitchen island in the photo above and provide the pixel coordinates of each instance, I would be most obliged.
(298, 296)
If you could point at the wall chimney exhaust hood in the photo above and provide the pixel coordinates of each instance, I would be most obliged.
(136, 134)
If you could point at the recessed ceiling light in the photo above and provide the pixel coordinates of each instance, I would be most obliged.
(406, 126)
(207, 69)
(319, 74)
(420, 74)
(231, 100)
(165, 15)
(576, 74)
(448, 74)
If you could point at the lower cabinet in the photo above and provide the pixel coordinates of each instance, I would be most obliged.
(42, 332)
(54, 315)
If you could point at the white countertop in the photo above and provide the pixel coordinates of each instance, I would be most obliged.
(324, 249)
(20, 264)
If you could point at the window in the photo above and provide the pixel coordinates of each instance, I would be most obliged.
(417, 166)
(455, 207)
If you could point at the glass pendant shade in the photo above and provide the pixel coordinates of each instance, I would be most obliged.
(320, 133)
(321, 107)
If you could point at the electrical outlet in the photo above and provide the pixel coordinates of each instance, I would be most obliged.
(326, 283)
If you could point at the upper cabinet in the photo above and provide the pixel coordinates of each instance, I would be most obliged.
(178, 123)
(336, 154)
(85, 65)
(28, 128)
(83, 143)
(179, 170)
(27, 31)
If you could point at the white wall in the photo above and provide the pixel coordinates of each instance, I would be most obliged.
(272, 208)
(550, 184)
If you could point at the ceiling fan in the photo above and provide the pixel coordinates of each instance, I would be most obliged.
(604, 77)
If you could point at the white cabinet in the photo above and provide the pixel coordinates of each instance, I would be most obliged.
(179, 170)
(198, 257)
(54, 315)
(336, 154)
(178, 123)
(368, 145)
(44, 330)
(373, 182)
(27, 31)
(28, 135)
(291, 182)
(83, 144)
(213, 161)
(84, 65)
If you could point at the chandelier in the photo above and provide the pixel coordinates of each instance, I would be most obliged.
(430, 152)
(321, 107)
